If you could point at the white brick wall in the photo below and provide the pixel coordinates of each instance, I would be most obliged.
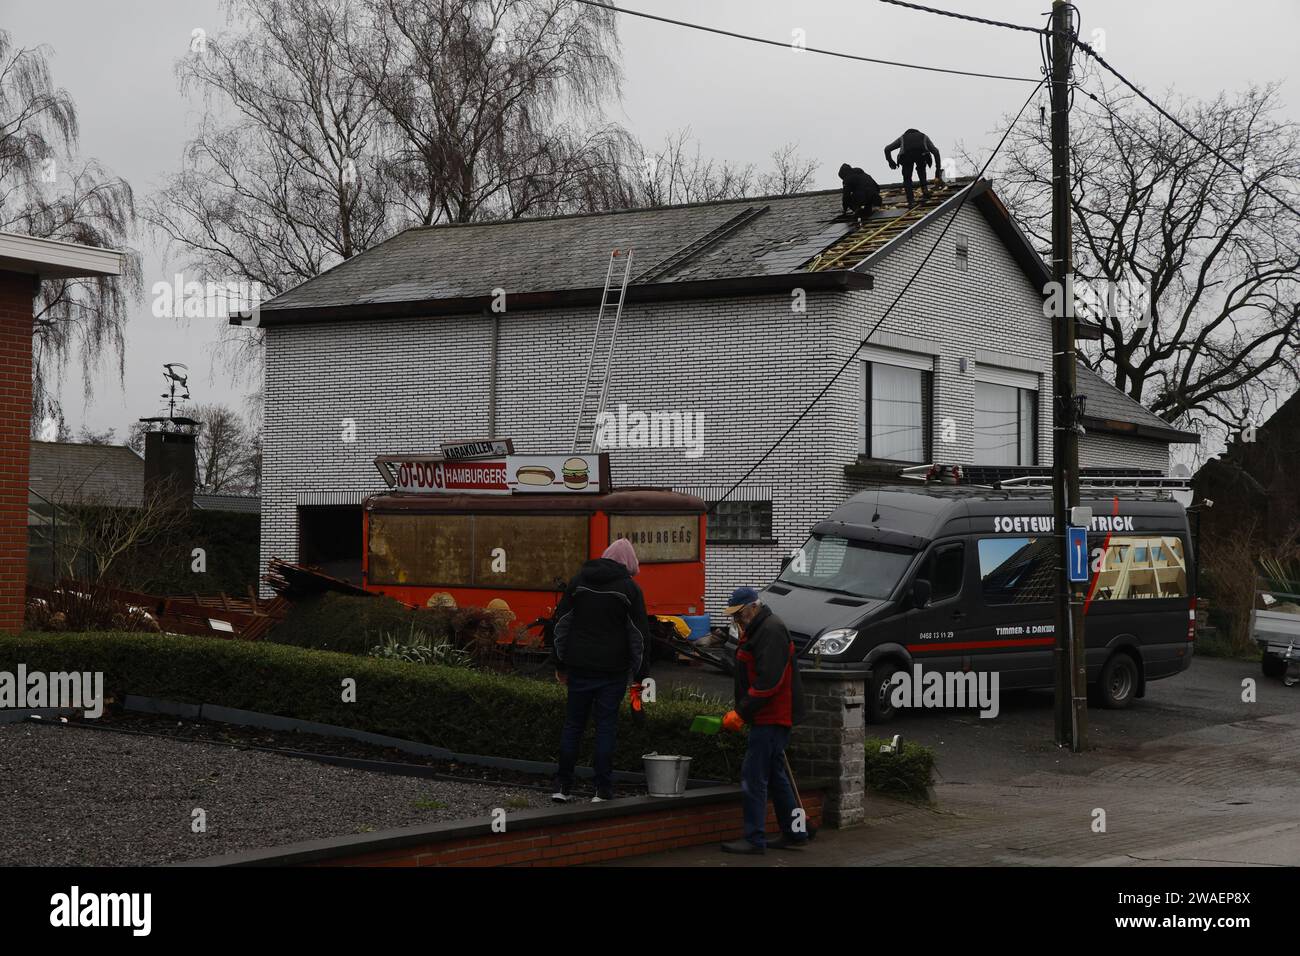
(749, 365)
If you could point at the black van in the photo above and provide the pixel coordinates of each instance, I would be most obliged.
(960, 579)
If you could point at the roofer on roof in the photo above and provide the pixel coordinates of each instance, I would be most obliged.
(915, 150)
(861, 192)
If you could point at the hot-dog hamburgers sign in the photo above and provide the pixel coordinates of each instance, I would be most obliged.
(501, 475)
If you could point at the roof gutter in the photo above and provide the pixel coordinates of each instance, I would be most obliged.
(1133, 430)
(833, 281)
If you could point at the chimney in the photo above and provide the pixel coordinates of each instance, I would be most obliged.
(169, 458)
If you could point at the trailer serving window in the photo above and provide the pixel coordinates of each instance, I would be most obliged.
(528, 552)
(659, 539)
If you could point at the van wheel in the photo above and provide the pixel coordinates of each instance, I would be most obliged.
(879, 708)
(1273, 665)
(1119, 682)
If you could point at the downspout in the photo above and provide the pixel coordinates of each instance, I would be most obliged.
(495, 318)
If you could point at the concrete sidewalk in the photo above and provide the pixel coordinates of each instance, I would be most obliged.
(1224, 794)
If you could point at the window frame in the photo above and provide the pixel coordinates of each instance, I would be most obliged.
(1021, 427)
(927, 411)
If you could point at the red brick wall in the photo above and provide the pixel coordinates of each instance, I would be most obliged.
(16, 292)
(570, 844)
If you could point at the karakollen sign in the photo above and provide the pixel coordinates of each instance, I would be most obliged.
(503, 475)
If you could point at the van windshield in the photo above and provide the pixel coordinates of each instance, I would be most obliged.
(859, 568)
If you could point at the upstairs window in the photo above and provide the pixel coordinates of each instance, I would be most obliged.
(898, 413)
(1006, 425)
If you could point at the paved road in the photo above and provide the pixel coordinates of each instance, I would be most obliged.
(1190, 775)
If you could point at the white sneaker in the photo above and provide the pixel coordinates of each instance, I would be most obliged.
(559, 796)
(597, 799)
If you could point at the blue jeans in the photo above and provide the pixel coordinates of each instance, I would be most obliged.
(605, 694)
(763, 773)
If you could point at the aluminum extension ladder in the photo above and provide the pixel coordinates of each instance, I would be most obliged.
(596, 388)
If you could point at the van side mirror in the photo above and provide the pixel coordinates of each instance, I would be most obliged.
(785, 562)
(920, 593)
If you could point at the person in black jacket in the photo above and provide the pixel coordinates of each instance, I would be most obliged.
(769, 698)
(861, 193)
(914, 151)
(601, 648)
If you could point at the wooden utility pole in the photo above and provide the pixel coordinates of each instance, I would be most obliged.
(1069, 658)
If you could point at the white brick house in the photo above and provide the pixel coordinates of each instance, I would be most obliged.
(400, 347)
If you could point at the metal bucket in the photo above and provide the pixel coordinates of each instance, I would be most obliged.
(665, 775)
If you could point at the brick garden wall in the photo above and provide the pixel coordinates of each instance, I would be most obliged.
(573, 844)
(16, 293)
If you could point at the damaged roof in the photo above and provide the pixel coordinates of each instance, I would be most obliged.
(699, 250)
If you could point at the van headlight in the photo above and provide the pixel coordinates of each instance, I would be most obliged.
(834, 642)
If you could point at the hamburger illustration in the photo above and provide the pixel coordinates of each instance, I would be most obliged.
(575, 474)
(534, 475)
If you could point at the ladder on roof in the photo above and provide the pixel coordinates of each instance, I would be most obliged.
(596, 388)
(874, 235)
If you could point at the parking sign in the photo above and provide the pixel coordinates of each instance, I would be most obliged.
(1077, 545)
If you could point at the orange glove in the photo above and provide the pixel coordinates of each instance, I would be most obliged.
(731, 721)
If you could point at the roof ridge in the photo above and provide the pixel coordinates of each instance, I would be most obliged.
(646, 209)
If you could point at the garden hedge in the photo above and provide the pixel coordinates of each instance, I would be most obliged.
(910, 771)
(462, 710)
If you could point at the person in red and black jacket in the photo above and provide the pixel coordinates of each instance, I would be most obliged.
(769, 698)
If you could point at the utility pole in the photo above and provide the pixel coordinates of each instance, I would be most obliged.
(1069, 659)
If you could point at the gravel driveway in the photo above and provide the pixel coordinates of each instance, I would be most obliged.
(96, 798)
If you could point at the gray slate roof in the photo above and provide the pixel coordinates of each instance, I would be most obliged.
(1106, 403)
(104, 474)
(572, 252)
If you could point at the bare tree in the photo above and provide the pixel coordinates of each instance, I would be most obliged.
(99, 534)
(47, 193)
(679, 172)
(494, 106)
(1207, 259)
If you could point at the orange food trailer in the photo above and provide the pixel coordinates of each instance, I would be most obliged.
(516, 528)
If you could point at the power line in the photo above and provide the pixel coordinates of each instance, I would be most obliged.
(1086, 48)
(965, 16)
(809, 49)
(965, 194)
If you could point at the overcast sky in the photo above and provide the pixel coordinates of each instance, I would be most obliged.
(742, 100)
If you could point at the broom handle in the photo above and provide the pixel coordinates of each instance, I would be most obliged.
(790, 773)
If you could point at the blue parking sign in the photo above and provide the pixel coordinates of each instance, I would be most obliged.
(1077, 546)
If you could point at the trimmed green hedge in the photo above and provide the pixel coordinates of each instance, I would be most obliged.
(462, 710)
(908, 772)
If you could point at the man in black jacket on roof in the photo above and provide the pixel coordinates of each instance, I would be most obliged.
(861, 193)
(915, 150)
(601, 647)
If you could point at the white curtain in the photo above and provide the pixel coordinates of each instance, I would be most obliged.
(997, 411)
(897, 431)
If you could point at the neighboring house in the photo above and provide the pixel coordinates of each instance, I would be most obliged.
(741, 311)
(74, 473)
(1255, 483)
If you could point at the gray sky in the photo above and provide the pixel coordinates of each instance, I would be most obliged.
(741, 101)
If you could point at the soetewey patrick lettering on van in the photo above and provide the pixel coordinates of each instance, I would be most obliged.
(1046, 524)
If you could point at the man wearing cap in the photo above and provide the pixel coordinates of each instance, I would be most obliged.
(769, 698)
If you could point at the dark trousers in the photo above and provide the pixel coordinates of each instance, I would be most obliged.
(763, 775)
(586, 692)
(861, 207)
(908, 165)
